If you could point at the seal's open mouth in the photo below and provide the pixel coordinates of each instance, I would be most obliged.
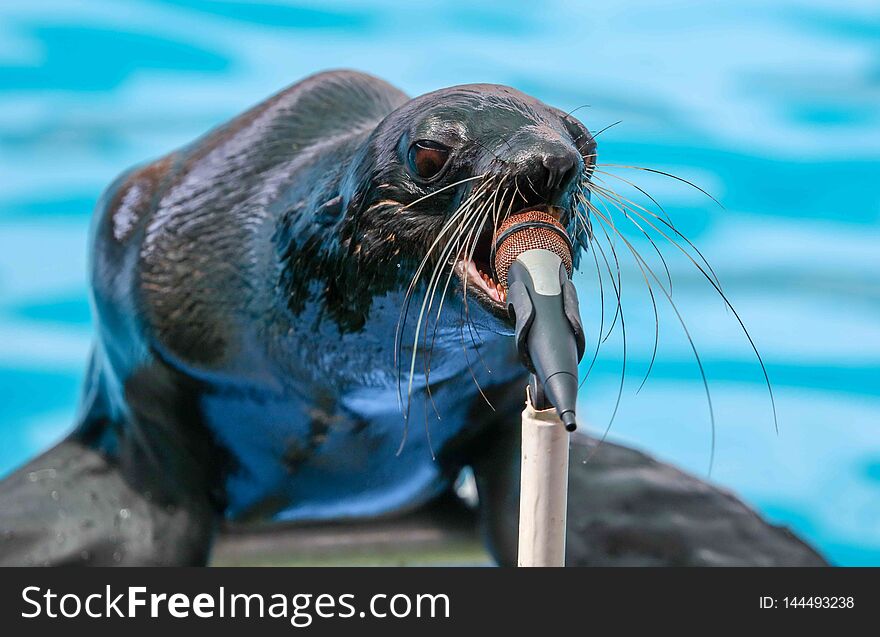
(480, 269)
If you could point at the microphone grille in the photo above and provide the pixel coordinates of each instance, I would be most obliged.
(539, 231)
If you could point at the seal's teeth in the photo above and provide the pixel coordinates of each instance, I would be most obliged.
(481, 280)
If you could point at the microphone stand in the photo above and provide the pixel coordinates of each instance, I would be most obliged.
(550, 340)
(543, 495)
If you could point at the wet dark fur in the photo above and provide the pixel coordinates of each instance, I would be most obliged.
(247, 290)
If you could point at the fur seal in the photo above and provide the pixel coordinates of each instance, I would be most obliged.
(269, 298)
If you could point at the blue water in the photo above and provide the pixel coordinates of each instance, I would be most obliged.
(774, 108)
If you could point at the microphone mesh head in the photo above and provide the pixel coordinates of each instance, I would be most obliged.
(529, 238)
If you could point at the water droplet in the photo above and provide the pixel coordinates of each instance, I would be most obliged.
(33, 476)
(54, 495)
(117, 556)
(124, 514)
(84, 555)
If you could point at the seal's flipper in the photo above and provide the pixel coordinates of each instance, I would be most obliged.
(626, 508)
(72, 505)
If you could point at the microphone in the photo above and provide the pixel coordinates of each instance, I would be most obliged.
(533, 259)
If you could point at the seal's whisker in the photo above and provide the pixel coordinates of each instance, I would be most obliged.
(643, 267)
(442, 261)
(451, 245)
(408, 296)
(618, 288)
(632, 209)
(628, 207)
(601, 312)
(668, 225)
(581, 201)
(452, 268)
(592, 136)
(484, 147)
(624, 345)
(582, 215)
(496, 210)
(517, 190)
(464, 316)
(414, 281)
(425, 312)
(690, 340)
(461, 215)
(509, 210)
(468, 361)
(650, 292)
(610, 126)
(532, 184)
(460, 212)
(466, 307)
(619, 312)
(451, 248)
(656, 333)
(475, 233)
(576, 109)
(430, 349)
(635, 208)
(618, 284)
(471, 216)
(406, 411)
(497, 218)
(713, 281)
(641, 190)
(439, 190)
(467, 318)
(665, 174)
(653, 301)
(613, 199)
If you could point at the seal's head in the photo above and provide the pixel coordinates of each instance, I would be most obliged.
(440, 173)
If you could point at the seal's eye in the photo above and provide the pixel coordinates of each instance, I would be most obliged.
(427, 158)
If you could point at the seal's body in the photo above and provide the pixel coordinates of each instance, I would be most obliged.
(194, 260)
(253, 295)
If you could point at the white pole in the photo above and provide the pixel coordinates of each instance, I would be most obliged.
(543, 488)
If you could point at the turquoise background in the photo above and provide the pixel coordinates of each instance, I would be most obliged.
(773, 107)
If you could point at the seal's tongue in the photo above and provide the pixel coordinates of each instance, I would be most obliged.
(482, 280)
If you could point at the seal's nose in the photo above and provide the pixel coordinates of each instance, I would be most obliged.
(559, 168)
(549, 173)
(542, 166)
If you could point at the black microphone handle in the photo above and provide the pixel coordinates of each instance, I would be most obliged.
(548, 329)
